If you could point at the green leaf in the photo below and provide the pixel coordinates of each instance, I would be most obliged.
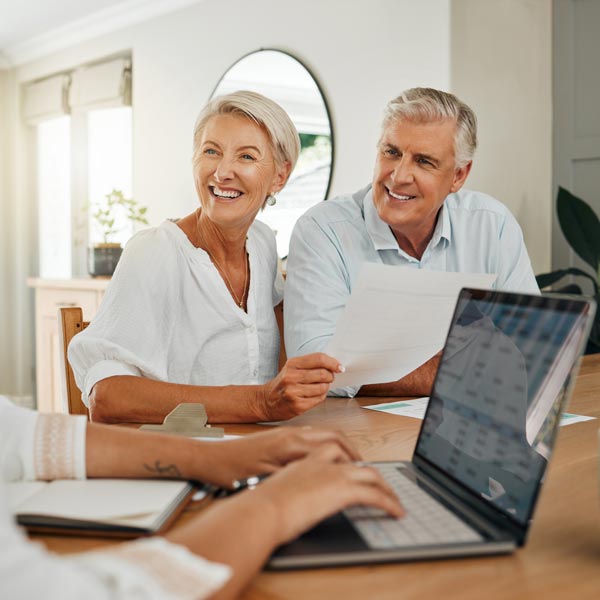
(571, 288)
(115, 203)
(580, 226)
(546, 279)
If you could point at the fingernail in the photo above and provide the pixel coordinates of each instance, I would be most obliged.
(341, 369)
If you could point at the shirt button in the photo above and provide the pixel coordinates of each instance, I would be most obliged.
(255, 372)
(252, 329)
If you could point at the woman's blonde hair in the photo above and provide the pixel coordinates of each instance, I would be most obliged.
(285, 142)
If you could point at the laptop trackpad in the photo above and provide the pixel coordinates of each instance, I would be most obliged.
(333, 535)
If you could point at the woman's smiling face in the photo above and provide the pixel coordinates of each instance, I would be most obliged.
(236, 170)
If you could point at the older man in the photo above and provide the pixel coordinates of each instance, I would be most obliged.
(414, 214)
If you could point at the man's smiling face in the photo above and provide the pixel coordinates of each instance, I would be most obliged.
(414, 172)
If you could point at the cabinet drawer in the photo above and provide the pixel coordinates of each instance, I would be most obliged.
(51, 300)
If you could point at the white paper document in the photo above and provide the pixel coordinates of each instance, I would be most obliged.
(405, 408)
(396, 319)
(569, 419)
(416, 409)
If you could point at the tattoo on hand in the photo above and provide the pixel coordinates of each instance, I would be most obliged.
(170, 471)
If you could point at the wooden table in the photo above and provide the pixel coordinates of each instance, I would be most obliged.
(560, 560)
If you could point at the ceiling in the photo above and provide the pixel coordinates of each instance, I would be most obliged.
(29, 28)
(21, 20)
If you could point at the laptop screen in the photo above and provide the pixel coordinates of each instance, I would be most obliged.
(491, 419)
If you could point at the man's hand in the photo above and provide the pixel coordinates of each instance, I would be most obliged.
(417, 383)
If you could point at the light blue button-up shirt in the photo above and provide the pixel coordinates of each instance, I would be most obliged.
(474, 233)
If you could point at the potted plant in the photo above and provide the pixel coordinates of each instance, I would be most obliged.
(581, 228)
(110, 217)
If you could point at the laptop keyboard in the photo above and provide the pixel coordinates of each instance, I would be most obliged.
(426, 521)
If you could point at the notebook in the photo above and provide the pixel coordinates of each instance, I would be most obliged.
(122, 507)
(504, 378)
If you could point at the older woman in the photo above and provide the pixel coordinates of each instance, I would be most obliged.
(189, 315)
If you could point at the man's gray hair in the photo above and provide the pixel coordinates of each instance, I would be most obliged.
(427, 105)
(285, 142)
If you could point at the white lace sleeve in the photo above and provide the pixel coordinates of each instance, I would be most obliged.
(155, 569)
(59, 447)
(40, 446)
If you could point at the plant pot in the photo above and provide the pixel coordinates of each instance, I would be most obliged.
(103, 259)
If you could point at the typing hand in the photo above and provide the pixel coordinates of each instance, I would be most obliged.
(267, 452)
(314, 488)
(302, 383)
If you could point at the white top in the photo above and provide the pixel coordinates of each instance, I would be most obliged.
(49, 446)
(474, 234)
(168, 315)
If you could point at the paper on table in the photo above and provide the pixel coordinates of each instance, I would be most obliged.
(396, 319)
(569, 419)
(416, 409)
(405, 408)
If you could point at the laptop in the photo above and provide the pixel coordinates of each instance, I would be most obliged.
(504, 378)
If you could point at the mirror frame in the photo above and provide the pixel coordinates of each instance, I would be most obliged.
(319, 88)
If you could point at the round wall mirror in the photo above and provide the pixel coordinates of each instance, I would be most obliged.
(286, 80)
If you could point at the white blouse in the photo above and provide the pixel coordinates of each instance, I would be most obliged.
(168, 315)
(49, 446)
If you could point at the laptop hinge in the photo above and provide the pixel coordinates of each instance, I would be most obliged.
(446, 486)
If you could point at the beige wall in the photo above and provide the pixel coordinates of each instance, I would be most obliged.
(501, 65)
(17, 245)
(5, 296)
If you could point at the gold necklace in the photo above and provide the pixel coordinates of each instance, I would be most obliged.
(238, 301)
(222, 272)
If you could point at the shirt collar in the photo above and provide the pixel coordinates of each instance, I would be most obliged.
(381, 233)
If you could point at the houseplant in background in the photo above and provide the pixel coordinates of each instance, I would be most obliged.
(110, 216)
(581, 228)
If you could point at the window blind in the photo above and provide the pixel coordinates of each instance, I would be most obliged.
(46, 99)
(103, 85)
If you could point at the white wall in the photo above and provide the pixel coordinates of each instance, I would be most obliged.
(502, 67)
(363, 53)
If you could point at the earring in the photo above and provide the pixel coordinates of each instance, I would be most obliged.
(271, 199)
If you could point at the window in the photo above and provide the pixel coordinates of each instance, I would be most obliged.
(54, 197)
(84, 151)
(109, 164)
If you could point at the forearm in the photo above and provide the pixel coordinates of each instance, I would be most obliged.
(417, 383)
(123, 452)
(241, 532)
(143, 400)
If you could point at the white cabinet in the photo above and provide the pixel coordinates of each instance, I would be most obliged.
(50, 296)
